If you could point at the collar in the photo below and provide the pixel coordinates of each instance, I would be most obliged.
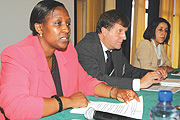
(103, 46)
(104, 50)
(157, 49)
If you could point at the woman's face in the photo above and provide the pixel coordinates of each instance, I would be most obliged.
(161, 33)
(56, 30)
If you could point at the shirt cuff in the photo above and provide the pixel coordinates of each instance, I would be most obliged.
(136, 84)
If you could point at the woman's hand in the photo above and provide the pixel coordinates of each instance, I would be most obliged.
(78, 100)
(124, 95)
(165, 68)
(162, 71)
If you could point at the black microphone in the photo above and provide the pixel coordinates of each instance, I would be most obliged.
(99, 115)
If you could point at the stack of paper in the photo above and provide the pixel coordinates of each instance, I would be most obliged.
(168, 84)
(133, 109)
(176, 73)
(171, 82)
(160, 87)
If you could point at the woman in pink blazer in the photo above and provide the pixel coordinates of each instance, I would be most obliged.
(41, 74)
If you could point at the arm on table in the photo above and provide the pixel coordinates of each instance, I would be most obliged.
(123, 95)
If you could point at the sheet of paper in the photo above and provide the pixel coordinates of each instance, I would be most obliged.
(160, 87)
(133, 109)
(176, 73)
(171, 82)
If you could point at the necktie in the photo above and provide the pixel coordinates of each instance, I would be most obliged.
(109, 63)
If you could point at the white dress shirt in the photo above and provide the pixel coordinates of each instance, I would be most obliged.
(135, 83)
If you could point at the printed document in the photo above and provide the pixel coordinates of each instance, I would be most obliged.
(160, 87)
(176, 73)
(133, 109)
(168, 84)
(171, 82)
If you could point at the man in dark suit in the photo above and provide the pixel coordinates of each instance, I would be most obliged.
(109, 35)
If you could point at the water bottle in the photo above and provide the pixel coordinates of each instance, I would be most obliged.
(164, 110)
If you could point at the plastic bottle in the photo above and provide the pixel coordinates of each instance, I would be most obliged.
(164, 110)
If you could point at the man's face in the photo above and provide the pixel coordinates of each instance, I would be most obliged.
(114, 37)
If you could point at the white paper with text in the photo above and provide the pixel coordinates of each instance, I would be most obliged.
(133, 109)
(160, 87)
(171, 82)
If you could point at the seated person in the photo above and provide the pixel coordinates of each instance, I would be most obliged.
(41, 75)
(150, 53)
(110, 33)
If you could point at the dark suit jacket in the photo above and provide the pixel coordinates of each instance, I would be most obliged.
(91, 57)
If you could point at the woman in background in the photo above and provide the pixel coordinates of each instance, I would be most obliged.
(41, 75)
(150, 53)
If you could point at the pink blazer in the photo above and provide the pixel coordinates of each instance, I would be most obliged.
(26, 78)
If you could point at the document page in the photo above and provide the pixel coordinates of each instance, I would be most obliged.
(133, 109)
(176, 73)
(171, 82)
(161, 87)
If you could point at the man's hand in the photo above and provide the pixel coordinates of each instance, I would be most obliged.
(149, 79)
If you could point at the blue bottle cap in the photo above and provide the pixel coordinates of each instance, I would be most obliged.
(165, 96)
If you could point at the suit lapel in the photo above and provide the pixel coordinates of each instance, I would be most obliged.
(42, 65)
(100, 54)
(154, 54)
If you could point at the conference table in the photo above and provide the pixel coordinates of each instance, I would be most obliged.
(150, 99)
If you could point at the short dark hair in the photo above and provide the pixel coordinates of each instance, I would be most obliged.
(40, 11)
(109, 18)
(150, 30)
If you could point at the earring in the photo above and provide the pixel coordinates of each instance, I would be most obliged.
(41, 35)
